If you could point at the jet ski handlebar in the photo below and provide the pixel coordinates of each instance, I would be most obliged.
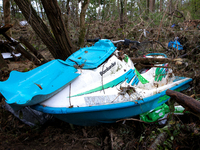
(93, 40)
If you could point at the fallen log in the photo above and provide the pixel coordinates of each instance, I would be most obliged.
(20, 49)
(28, 55)
(5, 28)
(17, 45)
(160, 139)
(32, 49)
(188, 102)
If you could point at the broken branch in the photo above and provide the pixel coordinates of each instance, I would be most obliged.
(32, 49)
(154, 60)
(188, 102)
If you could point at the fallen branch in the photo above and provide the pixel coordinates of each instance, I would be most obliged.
(151, 60)
(20, 49)
(5, 28)
(188, 102)
(133, 119)
(154, 66)
(159, 140)
(32, 49)
(28, 55)
(155, 60)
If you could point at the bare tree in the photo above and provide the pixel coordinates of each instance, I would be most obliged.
(6, 11)
(121, 14)
(54, 15)
(170, 6)
(82, 22)
(161, 5)
(60, 47)
(77, 15)
(147, 6)
(152, 5)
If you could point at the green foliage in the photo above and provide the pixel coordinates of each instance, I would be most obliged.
(193, 8)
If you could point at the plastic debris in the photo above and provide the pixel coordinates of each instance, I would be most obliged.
(10, 55)
(29, 116)
(173, 25)
(198, 26)
(175, 44)
(160, 113)
(23, 23)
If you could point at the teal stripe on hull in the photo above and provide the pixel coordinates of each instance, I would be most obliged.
(108, 85)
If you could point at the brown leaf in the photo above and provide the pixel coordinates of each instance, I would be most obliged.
(38, 85)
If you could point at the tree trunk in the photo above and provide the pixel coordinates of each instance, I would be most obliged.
(152, 5)
(41, 11)
(58, 27)
(114, 9)
(99, 11)
(66, 15)
(121, 14)
(13, 10)
(6, 11)
(73, 12)
(139, 7)
(161, 5)
(82, 22)
(147, 7)
(118, 9)
(125, 11)
(170, 6)
(41, 29)
(77, 15)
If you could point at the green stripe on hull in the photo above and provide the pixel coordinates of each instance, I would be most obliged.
(141, 78)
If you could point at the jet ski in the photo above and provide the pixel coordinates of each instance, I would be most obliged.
(94, 85)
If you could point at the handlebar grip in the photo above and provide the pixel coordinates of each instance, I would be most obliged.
(93, 40)
(127, 42)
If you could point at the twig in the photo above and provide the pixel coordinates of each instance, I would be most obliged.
(133, 119)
